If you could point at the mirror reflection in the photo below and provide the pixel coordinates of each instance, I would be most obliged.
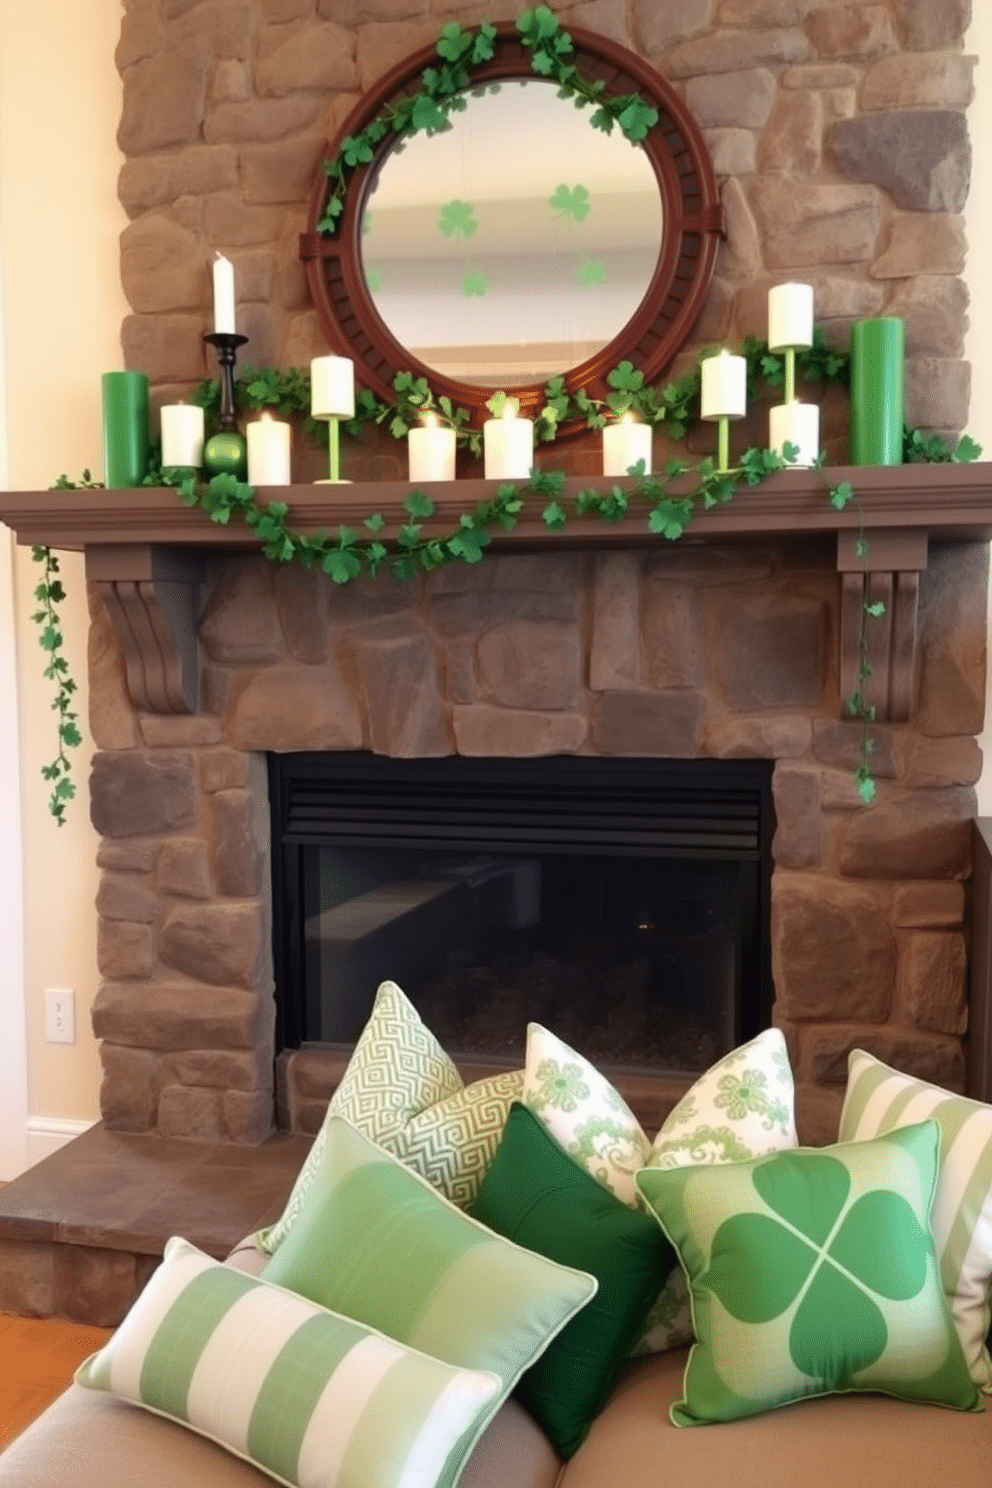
(517, 243)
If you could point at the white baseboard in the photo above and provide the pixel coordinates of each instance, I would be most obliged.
(46, 1134)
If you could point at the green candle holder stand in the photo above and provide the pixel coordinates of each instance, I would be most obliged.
(226, 451)
(333, 477)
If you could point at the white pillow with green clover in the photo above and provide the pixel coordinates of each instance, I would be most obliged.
(742, 1107)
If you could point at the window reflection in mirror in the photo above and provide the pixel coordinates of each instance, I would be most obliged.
(517, 243)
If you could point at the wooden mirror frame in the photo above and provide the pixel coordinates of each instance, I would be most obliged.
(692, 229)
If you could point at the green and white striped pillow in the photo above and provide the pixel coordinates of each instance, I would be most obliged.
(314, 1399)
(880, 1099)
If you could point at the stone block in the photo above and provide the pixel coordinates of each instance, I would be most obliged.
(316, 56)
(839, 743)
(164, 99)
(301, 599)
(27, 1278)
(111, 714)
(177, 1017)
(530, 664)
(127, 857)
(242, 122)
(735, 51)
(822, 76)
(934, 1057)
(142, 35)
(94, 1285)
(809, 225)
(513, 733)
(772, 653)
(135, 793)
(937, 392)
(615, 648)
(851, 31)
(168, 348)
(123, 897)
(732, 151)
(741, 100)
(792, 140)
(184, 868)
(397, 667)
(924, 834)
(227, 25)
(952, 630)
(534, 575)
(162, 266)
(740, 252)
(192, 1113)
(932, 244)
(295, 707)
(763, 12)
(254, 270)
(931, 906)
(129, 1090)
(314, 1072)
(798, 833)
(940, 762)
(224, 769)
(934, 312)
(281, 172)
(237, 853)
(240, 621)
(659, 23)
(224, 1069)
(604, 17)
(833, 952)
(673, 635)
(668, 724)
(778, 736)
(124, 951)
(932, 981)
(228, 219)
(381, 45)
(927, 27)
(818, 1109)
(247, 1116)
(222, 944)
(164, 731)
(279, 12)
(231, 81)
(922, 157)
(921, 80)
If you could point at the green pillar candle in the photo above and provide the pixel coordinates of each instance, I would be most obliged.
(877, 350)
(125, 428)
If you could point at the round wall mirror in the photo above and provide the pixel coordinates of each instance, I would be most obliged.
(518, 242)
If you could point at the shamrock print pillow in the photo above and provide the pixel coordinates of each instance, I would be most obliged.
(812, 1272)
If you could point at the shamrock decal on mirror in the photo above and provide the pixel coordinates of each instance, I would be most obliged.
(457, 219)
(839, 1257)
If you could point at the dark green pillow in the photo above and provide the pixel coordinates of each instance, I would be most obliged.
(539, 1197)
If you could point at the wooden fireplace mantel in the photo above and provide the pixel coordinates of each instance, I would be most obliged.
(149, 555)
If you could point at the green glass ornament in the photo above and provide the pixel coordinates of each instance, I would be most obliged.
(226, 453)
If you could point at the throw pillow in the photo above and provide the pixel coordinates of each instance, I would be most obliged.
(311, 1398)
(374, 1241)
(879, 1099)
(401, 1089)
(538, 1196)
(812, 1272)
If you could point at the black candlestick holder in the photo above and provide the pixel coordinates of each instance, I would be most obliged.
(226, 452)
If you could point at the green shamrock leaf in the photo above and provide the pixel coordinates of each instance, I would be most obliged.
(457, 219)
(591, 271)
(373, 278)
(570, 201)
(474, 285)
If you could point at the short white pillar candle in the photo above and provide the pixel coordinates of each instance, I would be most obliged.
(268, 452)
(508, 446)
(624, 444)
(798, 424)
(724, 391)
(182, 435)
(332, 387)
(790, 316)
(431, 451)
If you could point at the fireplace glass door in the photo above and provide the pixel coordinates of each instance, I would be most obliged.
(621, 903)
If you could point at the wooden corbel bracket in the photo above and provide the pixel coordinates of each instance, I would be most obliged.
(153, 597)
(888, 574)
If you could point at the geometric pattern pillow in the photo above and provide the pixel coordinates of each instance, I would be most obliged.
(812, 1272)
(879, 1099)
(311, 1398)
(742, 1107)
(403, 1092)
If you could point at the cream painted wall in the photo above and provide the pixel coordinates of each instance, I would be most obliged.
(60, 99)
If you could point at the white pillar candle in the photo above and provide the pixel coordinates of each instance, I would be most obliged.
(223, 296)
(182, 435)
(268, 452)
(431, 452)
(508, 446)
(624, 443)
(724, 386)
(795, 423)
(332, 387)
(790, 316)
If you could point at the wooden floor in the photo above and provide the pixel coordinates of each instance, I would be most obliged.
(38, 1357)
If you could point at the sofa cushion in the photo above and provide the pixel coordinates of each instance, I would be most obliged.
(376, 1242)
(879, 1099)
(401, 1089)
(537, 1195)
(811, 1272)
(311, 1397)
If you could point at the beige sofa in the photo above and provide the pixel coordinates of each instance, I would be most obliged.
(90, 1440)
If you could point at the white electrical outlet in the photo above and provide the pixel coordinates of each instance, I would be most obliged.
(60, 1015)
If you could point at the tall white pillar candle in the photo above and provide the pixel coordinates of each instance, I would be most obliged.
(431, 452)
(182, 435)
(508, 446)
(624, 443)
(332, 387)
(795, 423)
(724, 393)
(790, 316)
(223, 296)
(268, 452)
